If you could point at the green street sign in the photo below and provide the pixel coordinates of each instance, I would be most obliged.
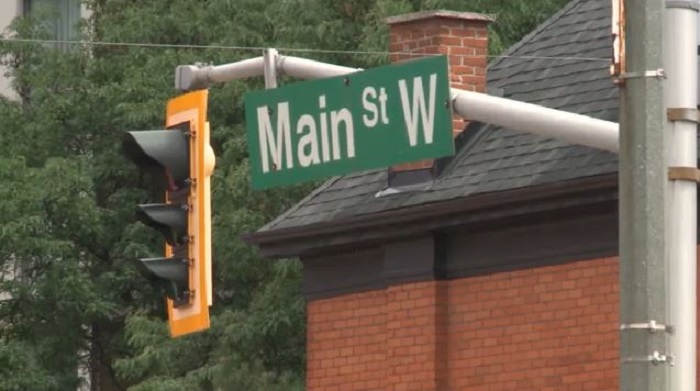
(366, 120)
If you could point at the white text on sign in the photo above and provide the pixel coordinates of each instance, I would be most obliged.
(330, 135)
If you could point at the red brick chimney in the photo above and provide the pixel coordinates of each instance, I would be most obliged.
(463, 36)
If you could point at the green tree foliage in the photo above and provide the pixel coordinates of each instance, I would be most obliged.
(70, 295)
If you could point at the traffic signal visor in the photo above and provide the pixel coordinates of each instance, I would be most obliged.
(170, 274)
(166, 149)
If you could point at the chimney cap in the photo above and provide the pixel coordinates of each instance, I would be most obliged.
(414, 16)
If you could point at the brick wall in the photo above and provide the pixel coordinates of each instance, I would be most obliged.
(416, 336)
(346, 342)
(549, 328)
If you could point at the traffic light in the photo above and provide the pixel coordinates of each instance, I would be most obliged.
(181, 153)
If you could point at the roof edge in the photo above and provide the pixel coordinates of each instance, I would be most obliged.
(416, 214)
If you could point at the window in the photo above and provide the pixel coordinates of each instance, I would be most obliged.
(64, 16)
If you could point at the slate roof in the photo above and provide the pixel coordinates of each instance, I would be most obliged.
(495, 159)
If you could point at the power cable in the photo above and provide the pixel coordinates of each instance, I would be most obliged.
(291, 50)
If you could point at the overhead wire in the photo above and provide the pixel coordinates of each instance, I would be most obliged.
(286, 49)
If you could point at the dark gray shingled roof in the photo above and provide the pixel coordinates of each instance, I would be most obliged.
(494, 159)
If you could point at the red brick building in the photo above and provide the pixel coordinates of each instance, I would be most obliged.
(494, 269)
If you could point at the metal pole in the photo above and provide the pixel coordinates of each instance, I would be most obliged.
(680, 53)
(194, 77)
(270, 68)
(526, 117)
(512, 114)
(303, 68)
(644, 352)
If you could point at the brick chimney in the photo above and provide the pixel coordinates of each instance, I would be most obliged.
(463, 36)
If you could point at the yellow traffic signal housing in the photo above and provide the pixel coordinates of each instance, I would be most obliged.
(185, 155)
(191, 109)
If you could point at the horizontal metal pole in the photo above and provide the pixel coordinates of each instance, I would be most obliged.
(193, 77)
(239, 70)
(303, 68)
(539, 120)
(511, 114)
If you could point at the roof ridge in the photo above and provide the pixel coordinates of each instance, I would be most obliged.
(541, 27)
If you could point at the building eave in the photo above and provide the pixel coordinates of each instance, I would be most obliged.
(414, 220)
